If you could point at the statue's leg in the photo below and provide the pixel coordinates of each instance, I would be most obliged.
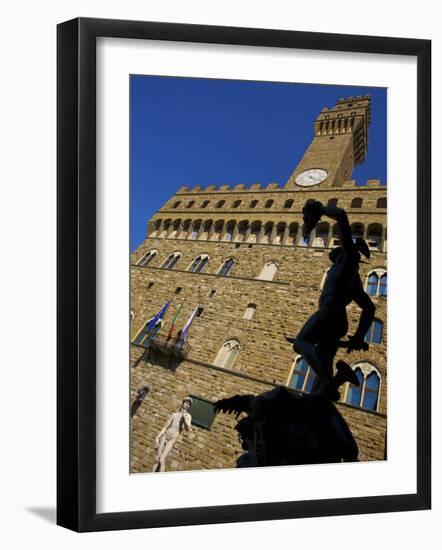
(158, 454)
(305, 344)
(327, 352)
(166, 450)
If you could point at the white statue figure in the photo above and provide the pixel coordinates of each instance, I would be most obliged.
(165, 440)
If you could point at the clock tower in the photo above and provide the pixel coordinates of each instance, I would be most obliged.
(340, 143)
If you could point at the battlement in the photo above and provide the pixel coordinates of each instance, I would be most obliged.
(353, 98)
(259, 188)
(228, 188)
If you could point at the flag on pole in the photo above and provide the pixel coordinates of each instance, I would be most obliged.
(157, 319)
(174, 320)
(186, 327)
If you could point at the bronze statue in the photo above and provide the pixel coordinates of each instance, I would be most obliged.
(320, 337)
(284, 427)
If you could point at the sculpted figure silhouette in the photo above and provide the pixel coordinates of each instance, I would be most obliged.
(320, 337)
(283, 427)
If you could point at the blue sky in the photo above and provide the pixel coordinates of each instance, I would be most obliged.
(187, 131)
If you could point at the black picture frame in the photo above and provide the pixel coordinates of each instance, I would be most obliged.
(76, 271)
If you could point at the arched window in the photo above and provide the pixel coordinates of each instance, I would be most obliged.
(226, 267)
(356, 203)
(268, 271)
(147, 258)
(198, 263)
(377, 283)
(227, 354)
(372, 284)
(190, 204)
(332, 202)
(253, 203)
(219, 204)
(383, 285)
(288, 203)
(236, 204)
(268, 204)
(354, 393)
(176, 204)
(371, 391)
(204, 204)
(249, 312)
(381, 203)
(303, 377)
(171, 260)
(367, 394)
(374, 333)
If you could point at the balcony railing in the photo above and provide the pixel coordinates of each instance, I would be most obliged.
(170, 346)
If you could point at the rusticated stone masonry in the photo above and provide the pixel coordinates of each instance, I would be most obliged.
(259, 228)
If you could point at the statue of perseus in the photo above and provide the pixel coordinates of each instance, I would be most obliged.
(320, 337)
(165, 440)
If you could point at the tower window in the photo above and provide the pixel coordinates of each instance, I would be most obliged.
(249, 312)
(226, 267)
(178, 289)
(171, 260)
(253, 203)
(236, 204)
(268, 204)
(381, 203)
(176, 204)
(332, 202)
(227, 354)
(356, 203)
(288, 203)
(212, 293)
(147, 258)
(198, 263)
(219, 204)
(149, 285)
(204, 204)
(190, 204)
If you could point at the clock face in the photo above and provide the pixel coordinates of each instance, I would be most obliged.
(311, 177)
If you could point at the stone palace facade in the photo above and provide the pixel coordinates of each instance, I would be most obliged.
(237, 255)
